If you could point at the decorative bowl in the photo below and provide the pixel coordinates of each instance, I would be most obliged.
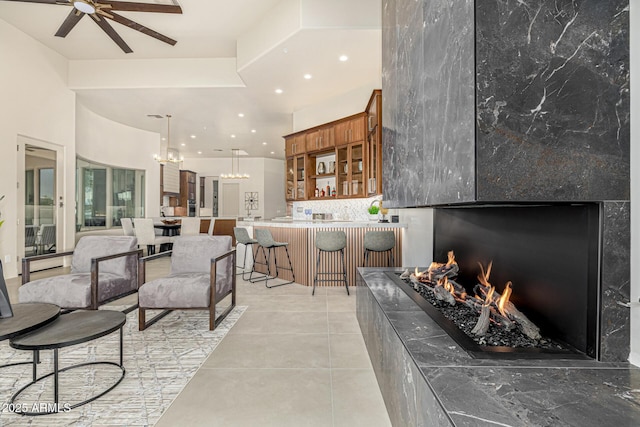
(169, 221)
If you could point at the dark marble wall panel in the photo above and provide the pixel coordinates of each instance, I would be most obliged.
(428, 142)
(449, 132)
(616, 282)
(552, 100)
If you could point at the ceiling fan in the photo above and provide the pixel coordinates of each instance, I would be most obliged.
(98, 10)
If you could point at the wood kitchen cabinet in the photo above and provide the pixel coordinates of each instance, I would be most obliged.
(351, 130)
(345, 155)
(295, 145)
(320, 139)
(351, 170)
(187, 188)
(374, 144)
(296, 178)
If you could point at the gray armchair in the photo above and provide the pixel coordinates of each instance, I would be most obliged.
(202, 274)
(103, 268)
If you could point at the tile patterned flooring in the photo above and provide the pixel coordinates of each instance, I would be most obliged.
(292, 359)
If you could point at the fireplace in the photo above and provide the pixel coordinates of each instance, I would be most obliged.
(550, 254)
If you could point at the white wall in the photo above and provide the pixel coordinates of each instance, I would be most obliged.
(274, 202)
(36, 104)
(128, 148)
(347, 104)
(264, 180)
(635, 182)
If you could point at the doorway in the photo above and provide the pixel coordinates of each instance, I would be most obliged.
(230, 199)
(40, 200)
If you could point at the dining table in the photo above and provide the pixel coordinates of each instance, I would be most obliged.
(168, 229)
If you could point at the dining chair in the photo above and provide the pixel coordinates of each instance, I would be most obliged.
(189, 226)
(146, 235)
(127, 226)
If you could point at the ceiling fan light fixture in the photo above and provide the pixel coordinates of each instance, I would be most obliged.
(84, 7)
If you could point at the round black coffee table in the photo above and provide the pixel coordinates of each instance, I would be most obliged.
(27, 317)
(70, 329)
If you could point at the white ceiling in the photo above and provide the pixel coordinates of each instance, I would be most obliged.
(210, 29)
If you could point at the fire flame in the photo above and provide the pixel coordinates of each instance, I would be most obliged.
(451, 259)
(504, 299)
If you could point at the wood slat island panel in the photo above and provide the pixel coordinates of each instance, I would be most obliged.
(303, 253)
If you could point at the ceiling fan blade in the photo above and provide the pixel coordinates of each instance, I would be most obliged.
(138, 27)
(36, 1)
(141, 7)
(72, 19)
(107, 28)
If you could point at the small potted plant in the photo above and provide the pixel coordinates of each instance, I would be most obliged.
(373, 212)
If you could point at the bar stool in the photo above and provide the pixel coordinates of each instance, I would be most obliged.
(379, 241)
(265, 241)
(330, 241)
(242, 237)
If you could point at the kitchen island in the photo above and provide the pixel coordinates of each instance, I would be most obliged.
(301, 238)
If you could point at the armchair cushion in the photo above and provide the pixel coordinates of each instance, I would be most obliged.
(187, 286)
(116, 276)
(72, 290)
(182, 290)
(90, 247)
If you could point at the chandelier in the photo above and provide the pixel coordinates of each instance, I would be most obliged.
(233, 175)
(169, 156)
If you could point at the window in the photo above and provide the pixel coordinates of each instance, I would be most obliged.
(106, 194)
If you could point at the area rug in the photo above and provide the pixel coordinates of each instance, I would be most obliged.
(159, 362)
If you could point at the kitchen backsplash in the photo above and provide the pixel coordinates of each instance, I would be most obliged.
(341, 209)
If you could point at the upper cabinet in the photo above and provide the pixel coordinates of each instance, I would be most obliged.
(320, 139)
(351, 130)
(341, 159)
(295, 145)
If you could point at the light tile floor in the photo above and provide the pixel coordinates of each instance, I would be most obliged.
(291, 360)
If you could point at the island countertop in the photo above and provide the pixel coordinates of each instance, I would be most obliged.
(322, 223)
(301, 236)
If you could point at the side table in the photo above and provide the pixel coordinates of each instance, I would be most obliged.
(70, 329)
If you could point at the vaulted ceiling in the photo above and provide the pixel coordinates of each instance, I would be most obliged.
(229, 59)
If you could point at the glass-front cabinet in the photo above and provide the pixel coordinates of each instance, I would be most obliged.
(341, 159)
(296, 178)
(351, 170)
(374, 144)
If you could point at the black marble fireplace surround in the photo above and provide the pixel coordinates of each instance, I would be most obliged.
(426, 379)
(492, 102)
(505, 102)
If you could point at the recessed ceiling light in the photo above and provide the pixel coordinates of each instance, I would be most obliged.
(240, 115)
(253, 131)
(273, 152)
(308, 76)
(264, 143)
(233, 136)
(164, 139)
(199, 152)
(343, 58)
(193, 137)
(183, 144)
(279, 91)
(285, 50)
